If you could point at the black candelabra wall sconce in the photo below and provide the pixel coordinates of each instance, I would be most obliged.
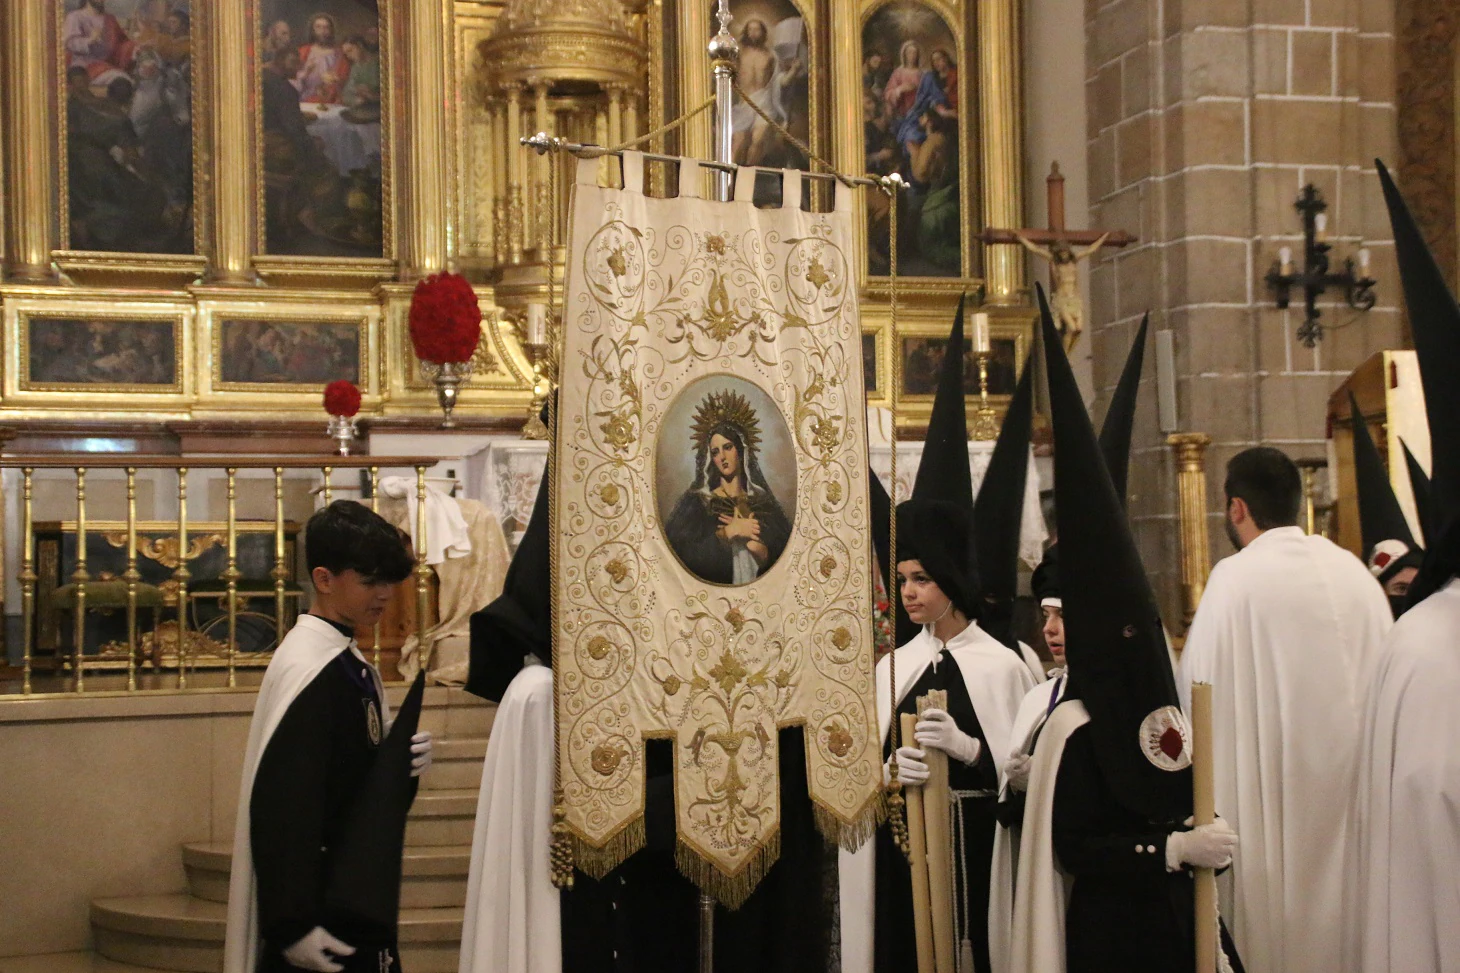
(1315, 277)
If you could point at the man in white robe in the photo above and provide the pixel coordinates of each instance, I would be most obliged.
(1289, 632)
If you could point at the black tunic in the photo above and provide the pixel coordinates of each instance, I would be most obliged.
(692, 524)
(1127, 913)
(643, 917)
(895, 942)
(303, 791)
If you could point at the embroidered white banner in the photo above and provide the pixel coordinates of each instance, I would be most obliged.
(713, 547)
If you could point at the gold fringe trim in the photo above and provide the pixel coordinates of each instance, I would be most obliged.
(560, 853)
(731, 891)
(599, 861)
(851, 835)
(897, 818)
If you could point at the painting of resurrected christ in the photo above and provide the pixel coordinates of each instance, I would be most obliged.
(726, 525)
(773, 73)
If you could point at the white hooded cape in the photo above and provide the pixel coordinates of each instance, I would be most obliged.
(997, 681)
(311, 644)
(513, 922)
(1288, 633)
(1409, 844)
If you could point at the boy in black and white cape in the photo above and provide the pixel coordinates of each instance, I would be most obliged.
(317, 726)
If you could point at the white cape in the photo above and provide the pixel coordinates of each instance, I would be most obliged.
(512, 922)
(1288, 633)
(310, 646)
(1409, 909)
(997, 681)
(1032, 715)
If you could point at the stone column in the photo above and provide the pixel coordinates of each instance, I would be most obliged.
(29, 78)
(1002, 143)
(234, 227)
(424, 240)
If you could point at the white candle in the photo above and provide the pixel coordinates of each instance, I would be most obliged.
(1320, 224)
(1285, 260)
(1364, 262)
(981, 333)
(537, 324)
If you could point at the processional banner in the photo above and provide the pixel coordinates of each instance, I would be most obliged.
(713, 548)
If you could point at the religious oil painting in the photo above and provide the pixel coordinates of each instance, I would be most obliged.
(110, 354)
(774, 74)
(869, 363)
(250, 352)
(127, 95)
(922, 360)
(910, 122)
(320, 91)
(725, 480)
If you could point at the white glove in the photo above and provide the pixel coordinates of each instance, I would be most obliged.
(1016, 769)
(1206, 846)
(911, 770)
(316, 951)
(420, 753)
(936, 729)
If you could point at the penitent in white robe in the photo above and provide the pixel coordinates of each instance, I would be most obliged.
(1289, 633)
(513, 922)
(997, 681)
(1409, 842)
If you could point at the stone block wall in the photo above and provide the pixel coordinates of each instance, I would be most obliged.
(1205, 119)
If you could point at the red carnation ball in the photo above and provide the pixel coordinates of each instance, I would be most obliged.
(445, 320)
(341, 398)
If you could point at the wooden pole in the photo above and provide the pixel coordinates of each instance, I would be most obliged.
(918, 860)
(1204, 812)
(937, 799)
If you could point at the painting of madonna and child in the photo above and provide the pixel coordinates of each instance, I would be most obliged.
(128, 99)
(725, 480)
(910, 126)
(320, 91)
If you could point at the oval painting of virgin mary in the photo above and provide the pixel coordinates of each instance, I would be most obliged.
(725, 479)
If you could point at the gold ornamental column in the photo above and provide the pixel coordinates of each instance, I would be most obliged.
(1002, 143)
(29, 78)
(517, 164)
(425, 239)
(1191, 484)
(234, 227)
(498, 147)
(542, 165)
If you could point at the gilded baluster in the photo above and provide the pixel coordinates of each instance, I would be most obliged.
(27, 576)
(1191, 485)
(131, 575)
(281, 571)
(80, 577)
(423, 573)
(231, 574)
(329, 489)
(181, 575)
(375, 506)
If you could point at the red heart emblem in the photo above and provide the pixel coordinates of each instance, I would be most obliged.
(1171, 743)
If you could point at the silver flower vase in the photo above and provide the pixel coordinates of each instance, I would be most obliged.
(342, 429)
(449, 377)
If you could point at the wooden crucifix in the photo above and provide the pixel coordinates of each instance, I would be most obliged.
(1063, 249)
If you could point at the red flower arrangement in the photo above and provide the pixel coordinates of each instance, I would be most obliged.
(341, 398)
(445, 320)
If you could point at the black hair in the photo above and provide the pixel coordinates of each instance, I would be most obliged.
(348, 536)
(1269, 483)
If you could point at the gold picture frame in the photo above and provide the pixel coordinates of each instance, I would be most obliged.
(86, 262)
(875, 363)
(301, 266)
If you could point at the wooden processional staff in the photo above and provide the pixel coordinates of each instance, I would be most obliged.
(930, 858)
(1204, 812)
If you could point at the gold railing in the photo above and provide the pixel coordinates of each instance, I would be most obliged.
(83, 584)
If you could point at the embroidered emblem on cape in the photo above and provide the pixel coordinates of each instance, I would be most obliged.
(372, 722)
(1166, 739)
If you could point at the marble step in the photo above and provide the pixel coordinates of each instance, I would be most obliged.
(184, 933)
(442, 817)
(432, 877)
(77, 962)
(456, 764)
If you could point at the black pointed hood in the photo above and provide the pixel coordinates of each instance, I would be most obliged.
(1119, 666)
(1046, 580)
(1434, 320)
(1120, 417)
(362, 893)
(519, 621)
(1419, 485)
(943, 472)
(998, 513)
(1389, 547)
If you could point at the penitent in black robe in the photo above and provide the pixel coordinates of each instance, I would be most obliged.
(310, 772)
(692, 525)
(1126, 912)
(973, 834)
(643, 917)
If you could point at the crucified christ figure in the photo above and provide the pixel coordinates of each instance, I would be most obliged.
(1064, 298)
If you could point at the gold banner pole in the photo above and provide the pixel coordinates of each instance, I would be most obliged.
(937, 801)
(181, 575)
(132, 576)
(231, 574)
(79, 577)
(375, 506)
(1204, 812)
(423, 573)
(918, 861)
(329, 494)
(27, 576)
(280, 571)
